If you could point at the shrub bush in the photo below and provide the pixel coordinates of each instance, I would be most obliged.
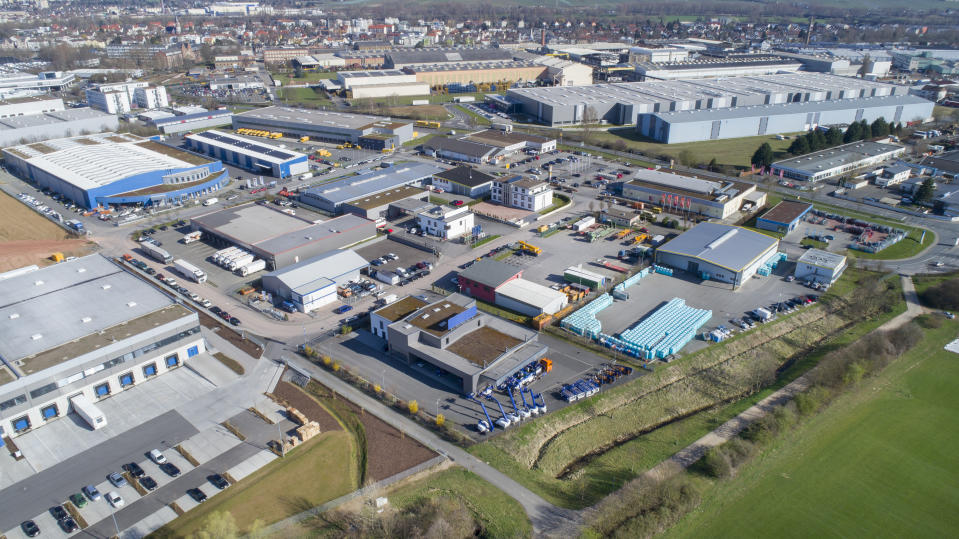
(716, 464)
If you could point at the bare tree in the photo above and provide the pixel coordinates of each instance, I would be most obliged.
(590, 117)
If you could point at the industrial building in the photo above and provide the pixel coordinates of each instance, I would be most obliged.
(657, 54)
(680, 192)
(279, 238)
(444, 222)
(371, 132)
(179, 123)
(20, 84)
(561, 72)
(744, 65)
(111, 168)
(477, 72)
(313, 62)
(511, 143)
(464, 180)
(502, 284)
(331, 196)
(842, 160)
(459, 150)
(719, 252)
(381, 83)
(623, 103)
(893, 175)
(398, 59)
(377, 206)
(53, 124)
(469, 349)
(522, 192)
(312, 283)
(820, 266)
(783, 217)
(249, 155)
(28, 106)
(944, 165)
(712, 124)
(77, 333)
(381, 318)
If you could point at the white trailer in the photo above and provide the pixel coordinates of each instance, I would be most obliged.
(160, 255)
(504, 127)
(88, 411)
(222, 253)
(189, 271)
(192, 236)
(240, 261)
(252, 267)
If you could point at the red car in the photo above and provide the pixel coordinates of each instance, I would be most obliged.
(457, 203)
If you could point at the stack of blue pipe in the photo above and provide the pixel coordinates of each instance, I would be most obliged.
(664, 332)
(583, 321)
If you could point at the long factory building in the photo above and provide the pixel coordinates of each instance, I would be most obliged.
(371, 132)
(712, 198)
(247, 154)
(625, 103)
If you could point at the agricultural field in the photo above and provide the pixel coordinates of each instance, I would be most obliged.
(420, 112)
(878, 462)
(27, 237)
(576, 456)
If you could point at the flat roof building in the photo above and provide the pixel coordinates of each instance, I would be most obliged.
(178, 123)
(111, 168)
(83, 329)
(459, 150)
(279, 238)
(376, 206)
(55, 123)
(398, 59)
(254, 156)
(783, 217)
(371, 132)
(381, 83)
(684, 193)
(719, 252)
(745, 65)
(464, 180)
(837, 161)
(332, 195)
(470, 349)
(820, 266)
(312, 283)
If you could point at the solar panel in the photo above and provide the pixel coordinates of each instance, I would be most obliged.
(246, 145)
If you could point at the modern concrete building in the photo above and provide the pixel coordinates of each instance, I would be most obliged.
(680, 192)
(179, 123)
(464, 180)
(279, 238)
(446, 223)
(624, 103)
(719, 252)
(723, 123)
(371, 132)
(522, 192)
(18, 128)
(113, 102)
(502, 284)
(312, 283)
(893, 175)
(331, 196)
(112, 168)
(844, 160)
(254, 156)
(820, 266)
(20, 84)
(84, 329)
(467, 348)
(381, 318)
(783, 217)
(29, 106)
(150, 97)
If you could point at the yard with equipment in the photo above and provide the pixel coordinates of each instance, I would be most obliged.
(878, 462)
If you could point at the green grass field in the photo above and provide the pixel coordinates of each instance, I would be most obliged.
(307, 78)
(304, 95)
(278, 490)
(879, 462)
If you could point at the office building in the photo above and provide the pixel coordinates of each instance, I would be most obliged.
(783, 217)
(446, 223)
(844, 160)
(524, 193)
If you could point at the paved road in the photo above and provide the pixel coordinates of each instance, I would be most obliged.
(50, 487)
(547, 519)
(257, 432)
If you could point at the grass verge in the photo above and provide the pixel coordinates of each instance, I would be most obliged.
(480, 120)
(558, 202)
(230, 363)
(485, 240)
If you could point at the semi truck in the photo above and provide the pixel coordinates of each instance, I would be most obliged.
(156, 253)
(252, 267)
(240, 261)
(189, 271)
(192, 237)
(88, 411)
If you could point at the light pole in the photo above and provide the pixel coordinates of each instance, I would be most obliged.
(113, 513)
(437, 414)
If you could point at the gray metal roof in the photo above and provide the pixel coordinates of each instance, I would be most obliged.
(46, 308)
(462, 147)
(726, 246)
(369, 183)
(316, 118)
(709, 115)
(432, 56)
(489, 272)
(336, 233)
(838, 156)
(53, 118)
(465, 175)
(320, 271)
(823, 259)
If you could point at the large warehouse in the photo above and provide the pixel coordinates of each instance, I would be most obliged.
(842, 160)
(623, 103)
(477, 72)
(84, 330)
(719, 252)
(371, 132)
(332, 195)
(713, 124)
(193, 120)
(747, 65)
(381, 83)
(312, 283)
(244, 153)
(712, 198)
(470, 349)
(111, 168)
(17, 125)
(279, 238)
(398, 59)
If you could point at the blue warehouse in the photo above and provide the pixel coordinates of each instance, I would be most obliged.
(244, 153)
(116, 168)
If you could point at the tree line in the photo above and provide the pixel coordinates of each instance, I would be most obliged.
(817, 139)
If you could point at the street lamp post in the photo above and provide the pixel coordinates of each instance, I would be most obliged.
(113, 513)
(437, 414)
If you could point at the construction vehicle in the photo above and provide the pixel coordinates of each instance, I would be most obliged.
(503, 422)
(531, 249)
(547, 365)
(304, 139)
(541, 405)
(622, 233)
(57, 257)
(533, 410)
(482, 426)
(521, 413)
(639, 238)
(276, 135)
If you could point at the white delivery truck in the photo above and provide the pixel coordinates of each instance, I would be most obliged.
(192, 236)
(88, 411)
(189, 271)
(240, 261)
(160, 255)
(252, 267)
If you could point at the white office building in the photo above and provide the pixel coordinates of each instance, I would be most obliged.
(112, 102)
(446, 223)
(151, 97)
(524, 193)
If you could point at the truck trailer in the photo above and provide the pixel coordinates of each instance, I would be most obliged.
(252, 267)
(156, 253)
(240, 261)
(189, 271)
(88, 411)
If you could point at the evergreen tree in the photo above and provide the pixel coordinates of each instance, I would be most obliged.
(926, 190)
(763, 156)
(853, 133)
(879, 128)
(865, 130)
(800, 146)
(819, 139)
(713, 166)
(833, 137)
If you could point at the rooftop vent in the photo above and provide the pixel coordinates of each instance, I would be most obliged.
(81, 270)
(36, 336)
(37, 283)
(425, 316)
(14, 316)
(106, 286)
(131, 304)
(86, 319)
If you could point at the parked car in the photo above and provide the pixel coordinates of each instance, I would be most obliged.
(218, 481)
(59, 512)
(78, 500)
(91, 492)
(68, 525)
(114, 498)
(457, 203)
(170, 469)
(117, 480)
(148, 483)
(234, 321)
(134, 469)
(197, 495)
(30, 528)
(156, 456)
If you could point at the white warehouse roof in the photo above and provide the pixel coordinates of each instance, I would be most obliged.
(530, 293)
(318, 272)
(727, 246)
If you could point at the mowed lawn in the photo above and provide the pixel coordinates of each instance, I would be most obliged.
(880, 462)
(317, 472)
(734, 152)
